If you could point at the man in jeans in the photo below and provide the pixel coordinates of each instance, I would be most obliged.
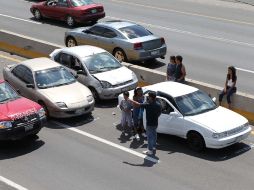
(153, 111)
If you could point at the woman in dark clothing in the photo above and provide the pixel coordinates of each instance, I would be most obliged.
(180, 72)
(230, 86)
(171, 69)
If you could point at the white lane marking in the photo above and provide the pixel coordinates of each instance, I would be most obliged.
(187, 32)
(245, 70)
(185, 13)
(16, 18)
(12, 184)
(108, 142)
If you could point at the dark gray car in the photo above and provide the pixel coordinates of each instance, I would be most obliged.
(125, 40)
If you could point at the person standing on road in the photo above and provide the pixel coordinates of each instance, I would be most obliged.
(153, 111)
(138, 113)
(180, 71)
(230, 86)
(171, 69)
(126, 106)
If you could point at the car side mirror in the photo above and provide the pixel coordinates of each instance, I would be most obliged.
(80, 72)
(214, 99)
(30, 85)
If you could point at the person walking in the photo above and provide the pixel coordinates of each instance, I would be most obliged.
(171, 69)
(126, 106)
(137, 113)
(230, 86)
(180, 71)
(153, 111)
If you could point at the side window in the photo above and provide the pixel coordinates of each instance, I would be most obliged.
(65, 59)
(76, 64)
(24, 74)
(18, 71)
(62, 3)
(109, 33)
(166, 108)
(96, 30)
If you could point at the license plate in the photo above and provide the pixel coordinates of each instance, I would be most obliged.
(28, 127)
(79, 111)
(157, 52)
(93, 11)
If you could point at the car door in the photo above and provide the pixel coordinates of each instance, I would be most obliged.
(48, 9)
(171, 120)
(90, 36)
(61, 9)
(107, 39)
(23, 76)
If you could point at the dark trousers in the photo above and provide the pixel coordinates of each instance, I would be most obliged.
(230, 91)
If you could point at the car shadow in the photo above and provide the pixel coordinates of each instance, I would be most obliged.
(172, 144)
(12, 149)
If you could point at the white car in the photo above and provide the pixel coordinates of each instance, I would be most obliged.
(97, 69)
(189, 113)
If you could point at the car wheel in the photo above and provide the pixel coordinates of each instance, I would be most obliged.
(70, 21)
(37, 14)
(95, 94)
(196, 141)
(71, 42)
(120, 55)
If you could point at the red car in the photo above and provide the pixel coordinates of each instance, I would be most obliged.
(71, 11)
(19, 117)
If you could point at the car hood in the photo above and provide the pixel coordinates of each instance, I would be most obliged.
(116, 76)
(69, 94)
(219, 119)
(17, 108)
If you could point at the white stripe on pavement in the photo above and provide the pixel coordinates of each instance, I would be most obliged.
(16, 18)
(188, 33)
(245, 70)
(107, 142)
(12, 184)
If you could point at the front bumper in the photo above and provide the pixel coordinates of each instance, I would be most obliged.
(19, 132)
(227, 141)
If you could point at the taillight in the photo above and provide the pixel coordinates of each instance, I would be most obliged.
(138, 45)
(162, 41)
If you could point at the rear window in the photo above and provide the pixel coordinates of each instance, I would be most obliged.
(77, 3)
(134, 31)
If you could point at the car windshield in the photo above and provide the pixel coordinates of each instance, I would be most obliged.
(134, 31)
(7, 93)
(195, 103)
(77, 3)
(53, 77)
(101, 62)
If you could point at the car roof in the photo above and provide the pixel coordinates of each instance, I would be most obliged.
(41, 63)
(83, 51)
(116, 24)
(173, 89)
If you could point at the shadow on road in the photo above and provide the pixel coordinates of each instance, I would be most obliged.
(12, 149)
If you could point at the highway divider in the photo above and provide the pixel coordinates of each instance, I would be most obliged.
(31, 48)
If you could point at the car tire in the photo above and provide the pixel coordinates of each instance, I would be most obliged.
(196, 141)
(70, 21)
(120, 55)
(37, 14)
(71, 42)
(95, 94)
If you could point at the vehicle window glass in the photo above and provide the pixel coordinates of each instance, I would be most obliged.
(23, 73)
(77, 3)
(51, 2)
(62, 3)
(165, 107)
(18, 71)
(53, 77)
(7, 93)
(65, 59)
(96, 30)
(134, 31)
(76, 64)
(195, 103)
(101, 62)
(109, 33)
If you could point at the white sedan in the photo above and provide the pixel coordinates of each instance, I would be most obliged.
(189, 113)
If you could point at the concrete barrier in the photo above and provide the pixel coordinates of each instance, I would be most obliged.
(32, 48)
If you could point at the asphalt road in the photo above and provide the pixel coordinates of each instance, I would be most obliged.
(89, 152)
(210, 35)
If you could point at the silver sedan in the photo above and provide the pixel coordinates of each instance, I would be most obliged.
(125, 40)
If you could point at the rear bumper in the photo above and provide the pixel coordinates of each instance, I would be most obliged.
(16, 133)
(90, 17)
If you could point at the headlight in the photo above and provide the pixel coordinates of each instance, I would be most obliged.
(220, 135)
(89, 98)
(41, 112)
(61, 105)
(246, 125)
(105, 84)
(5, 124)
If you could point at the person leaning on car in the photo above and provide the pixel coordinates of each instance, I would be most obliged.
(153, 111)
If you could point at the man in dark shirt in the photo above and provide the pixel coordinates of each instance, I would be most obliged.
(153, 111)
